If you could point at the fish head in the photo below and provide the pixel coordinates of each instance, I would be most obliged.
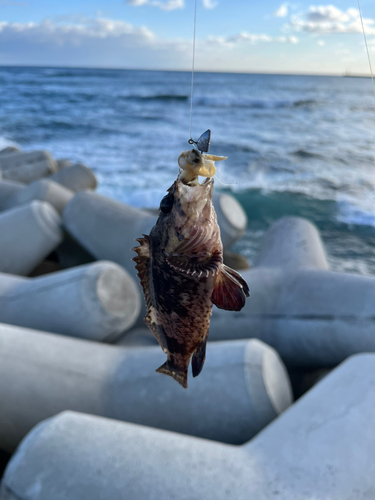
(186, 208)
(188, 201)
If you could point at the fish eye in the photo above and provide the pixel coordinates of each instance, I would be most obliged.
(166, 203)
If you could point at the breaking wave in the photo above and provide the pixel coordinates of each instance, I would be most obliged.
(161, 97)
(238, 102)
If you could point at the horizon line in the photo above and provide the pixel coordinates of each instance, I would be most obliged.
(264, 72)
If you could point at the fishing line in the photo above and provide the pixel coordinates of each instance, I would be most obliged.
(192, 69)
(367, 50)
(224, 183)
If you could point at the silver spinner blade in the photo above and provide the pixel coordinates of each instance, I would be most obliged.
(203, 143)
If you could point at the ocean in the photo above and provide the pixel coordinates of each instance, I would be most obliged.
(296, 145)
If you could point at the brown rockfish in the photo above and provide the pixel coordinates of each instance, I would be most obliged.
(180, 265)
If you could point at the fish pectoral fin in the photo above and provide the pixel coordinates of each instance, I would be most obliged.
(169, 368)
(199, 357)
(191, 265)
(230, 290)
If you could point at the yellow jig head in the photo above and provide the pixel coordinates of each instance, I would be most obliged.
(197, 161)
(193, 163)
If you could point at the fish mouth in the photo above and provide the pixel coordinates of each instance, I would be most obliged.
(195, 182)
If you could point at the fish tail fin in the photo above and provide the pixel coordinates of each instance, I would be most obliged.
(169, 368)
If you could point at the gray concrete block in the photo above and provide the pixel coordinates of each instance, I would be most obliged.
(8, 189)
(76, 178)
(137, 337)
(323, 447)
(27, 167)
(106, 228)
(9, 150)
(292, 243)
(98, 301)
(244, 386)
(28, 234)
(63, 163)
(231, 218)
(43, 190)
(312, 317)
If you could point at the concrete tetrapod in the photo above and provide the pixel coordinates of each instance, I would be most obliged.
(106, 228)
(243, 386)
(43, 190)
(9, 150)
(8, 189)
(63, 163)
(76, 178)
(28, 234)
(97, 301)
(312, 317)
(231, 217)
(27, 167)
(323, 447)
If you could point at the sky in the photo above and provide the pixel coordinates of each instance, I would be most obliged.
(231, 35)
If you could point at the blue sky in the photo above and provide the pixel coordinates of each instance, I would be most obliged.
(232, 35)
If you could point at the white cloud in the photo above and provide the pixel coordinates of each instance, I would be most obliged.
(103, 42)
(169, 4)
(209, 4)
(328, 19)
(282, 11)
(89, 42)
(136, 3)
(321, 43)
(75, 33)
(254, 39)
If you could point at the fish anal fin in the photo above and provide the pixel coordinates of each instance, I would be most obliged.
(230, 290)
(194, 266)
(199, 357)
(169, 368)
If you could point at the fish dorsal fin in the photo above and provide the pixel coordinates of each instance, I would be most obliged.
(142, 261)
(230, 290)
(198, 268)
(143, 267)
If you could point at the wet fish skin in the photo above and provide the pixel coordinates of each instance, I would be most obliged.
(179, 264)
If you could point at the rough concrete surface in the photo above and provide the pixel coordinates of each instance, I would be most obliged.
(312, 316)
(28, 234)
(27, 167)
(97, 301)
(242, 387)
(323, 447)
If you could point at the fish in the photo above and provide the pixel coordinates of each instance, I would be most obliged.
(181, 269)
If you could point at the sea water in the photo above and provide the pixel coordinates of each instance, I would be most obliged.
(296, 145)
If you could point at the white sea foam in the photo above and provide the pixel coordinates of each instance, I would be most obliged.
(4, 143)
